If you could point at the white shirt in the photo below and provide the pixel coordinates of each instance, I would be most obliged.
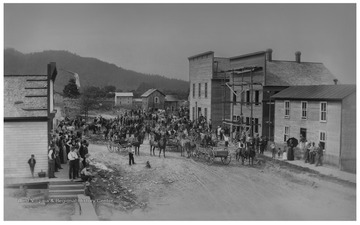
(72, 155)
(50, 154)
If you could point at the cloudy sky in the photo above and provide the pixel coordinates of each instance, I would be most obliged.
(158, 38)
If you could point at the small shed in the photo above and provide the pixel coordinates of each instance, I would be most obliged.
(172, 103)
(153, 99)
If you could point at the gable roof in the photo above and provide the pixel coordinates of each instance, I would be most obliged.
(171, 98)
(124, 94)
(316, 92)
(25, 96)
(150, 91)
(290, 73)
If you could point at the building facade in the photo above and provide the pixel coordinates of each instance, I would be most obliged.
(324, 114)
(124, 99)
(236, 91)
(28, 121)
(153, 99)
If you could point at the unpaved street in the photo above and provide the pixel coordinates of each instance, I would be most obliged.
(178, 188)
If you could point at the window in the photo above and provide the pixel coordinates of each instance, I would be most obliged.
(286, 133)
(205, 90)
(193, 90)
(322, 138)
(256, 125)
(193, 112)
(247, 121)
(234, 97)
(257, 97)
(199, 90)
(247, 96)
(156, 100)
(205, 112)
(287, 109)
(323, 111)
(303, 110)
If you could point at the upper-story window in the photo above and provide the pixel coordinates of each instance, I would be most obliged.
(257, 97)
(206, 90)
(156, 99)
(199, 90)
(287, 109)
(323, 138)
(193, 90)
(247, 96)
(323, 111)
(304, 107)
(234, 97)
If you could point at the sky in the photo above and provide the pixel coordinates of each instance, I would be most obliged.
(159, 38)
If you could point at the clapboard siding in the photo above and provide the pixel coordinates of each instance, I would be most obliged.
(21, 140)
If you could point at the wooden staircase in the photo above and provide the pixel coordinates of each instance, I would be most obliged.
(65, 190)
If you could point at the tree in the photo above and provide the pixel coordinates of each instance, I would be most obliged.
(88, 100)
(71, 90)
(109, 91)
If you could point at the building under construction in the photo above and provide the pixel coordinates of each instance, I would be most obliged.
(236, 91)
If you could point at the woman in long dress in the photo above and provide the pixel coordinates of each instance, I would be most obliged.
(290, 153)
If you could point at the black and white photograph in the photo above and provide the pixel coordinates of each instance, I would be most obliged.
(171, 111)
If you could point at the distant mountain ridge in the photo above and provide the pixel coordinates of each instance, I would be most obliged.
(92, 71)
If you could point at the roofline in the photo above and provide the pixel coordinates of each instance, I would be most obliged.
(24, 75)
(201, 54)
(293, 61)
(26, 119)
(309, 99)
(247, 55)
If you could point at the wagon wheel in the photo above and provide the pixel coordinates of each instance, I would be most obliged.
(226, 160)
(110, 147)
(196, 156)
(210, 157)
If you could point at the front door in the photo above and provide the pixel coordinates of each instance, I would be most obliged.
(303, 133)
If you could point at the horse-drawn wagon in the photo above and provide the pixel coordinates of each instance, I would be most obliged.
(117, 145)
(210, 153)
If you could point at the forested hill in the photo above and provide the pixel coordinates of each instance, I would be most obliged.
(92, 72)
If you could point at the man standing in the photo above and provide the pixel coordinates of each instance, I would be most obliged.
(131, 154)
(51, 162)
(72, 156)
(319, 155)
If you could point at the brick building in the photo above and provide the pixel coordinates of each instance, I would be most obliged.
(220, 92)
(321, 113)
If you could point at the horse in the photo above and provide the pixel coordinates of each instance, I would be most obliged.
(153, 141)
(247, 153)
(138, 141)
(162, 144)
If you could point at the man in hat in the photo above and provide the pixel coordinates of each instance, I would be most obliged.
(131, 154)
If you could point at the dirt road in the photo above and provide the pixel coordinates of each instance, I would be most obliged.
(178, 188)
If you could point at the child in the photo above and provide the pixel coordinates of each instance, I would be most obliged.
(279, 153)
(32, 163)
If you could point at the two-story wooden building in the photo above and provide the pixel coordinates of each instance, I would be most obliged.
(153, 99)
(28, 121)
(124, 99)
(225, 92)
(323, 114)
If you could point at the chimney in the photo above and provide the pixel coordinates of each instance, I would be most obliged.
(269, 54)
(298, 56)
(335, 81)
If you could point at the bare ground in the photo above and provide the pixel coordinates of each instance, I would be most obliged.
(178, 188)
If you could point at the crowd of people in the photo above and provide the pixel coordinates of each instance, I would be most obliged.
(69, 146)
